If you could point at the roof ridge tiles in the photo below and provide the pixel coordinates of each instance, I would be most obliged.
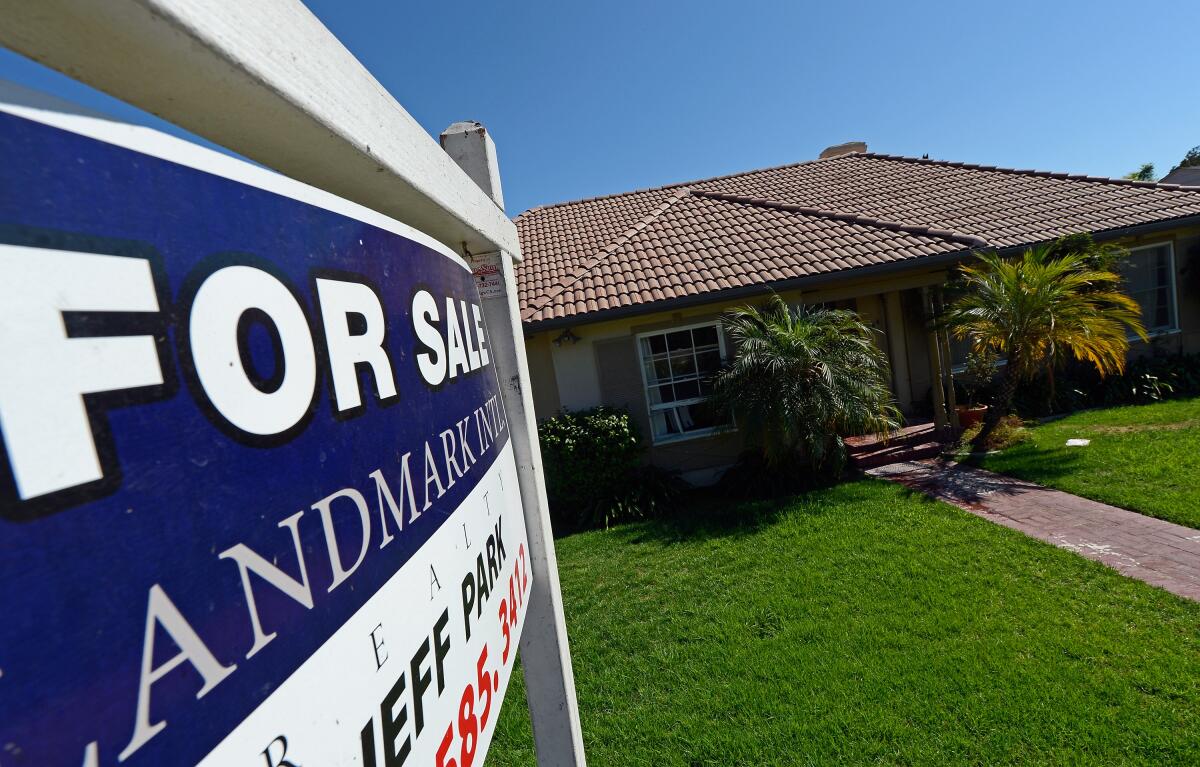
(1029, 172)
(679, 184)
(608, 250)
(878, 156)
(855, 218)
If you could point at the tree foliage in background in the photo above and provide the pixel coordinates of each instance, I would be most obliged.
(1191, 159)
(1144, 173)
(1101, 256)
(802, 379)
(1053, 301)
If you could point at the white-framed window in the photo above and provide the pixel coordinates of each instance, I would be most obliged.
(1149, 273)
(960, 352)
(677, 370)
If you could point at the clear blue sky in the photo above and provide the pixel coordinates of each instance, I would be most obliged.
(586, 98)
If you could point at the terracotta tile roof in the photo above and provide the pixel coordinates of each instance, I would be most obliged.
(795, 221)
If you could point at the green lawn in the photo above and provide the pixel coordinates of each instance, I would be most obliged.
(865, 625)
(1142, 457)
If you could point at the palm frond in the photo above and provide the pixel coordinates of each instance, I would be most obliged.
(1061, 298)
(802, 378)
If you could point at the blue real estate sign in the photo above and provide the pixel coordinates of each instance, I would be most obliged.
(258, 503)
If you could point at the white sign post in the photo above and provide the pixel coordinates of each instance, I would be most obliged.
(545, 654)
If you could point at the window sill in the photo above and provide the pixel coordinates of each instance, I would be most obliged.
(957, 369)
(1152, 335)
(677, 438)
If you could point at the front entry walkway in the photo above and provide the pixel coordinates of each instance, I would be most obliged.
(1157, 552)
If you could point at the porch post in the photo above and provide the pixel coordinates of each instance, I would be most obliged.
(943, 337)
(941, 420)
(898, 347)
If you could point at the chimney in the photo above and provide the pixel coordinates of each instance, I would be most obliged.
(850, 147)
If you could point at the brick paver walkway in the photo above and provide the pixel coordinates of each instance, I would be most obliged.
(1157, 552)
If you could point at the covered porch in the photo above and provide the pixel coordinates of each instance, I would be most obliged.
(921, 358)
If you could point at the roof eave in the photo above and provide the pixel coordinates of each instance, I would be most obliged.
(808, 281)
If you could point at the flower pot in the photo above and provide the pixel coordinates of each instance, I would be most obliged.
(970, 415)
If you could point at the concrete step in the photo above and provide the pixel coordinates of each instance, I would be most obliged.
(896, 454)
(909, 435)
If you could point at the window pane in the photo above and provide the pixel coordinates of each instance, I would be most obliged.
(655, 344)
(662, 370)
(1148, 281)
(683, 365)
(657, 370)
(960, 350)
(680, 339)
(1162, 311)
(1139, 276)
(687, 389)
(664, 422)
(698, 416)
(685, 420)
(709, 362)
(706, 336)
(661, 394)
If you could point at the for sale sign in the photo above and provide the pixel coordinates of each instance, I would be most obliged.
(258, 504)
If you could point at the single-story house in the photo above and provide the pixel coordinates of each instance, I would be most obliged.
(621, 295)
(1189, 176)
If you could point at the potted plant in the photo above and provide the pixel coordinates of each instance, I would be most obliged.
(974, 379)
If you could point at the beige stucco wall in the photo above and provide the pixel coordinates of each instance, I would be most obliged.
(603, 368)
(541, 375)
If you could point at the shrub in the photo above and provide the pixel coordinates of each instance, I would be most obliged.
(753, 477)
(594, 472)
(974, 385)
(1009, 431)
(1147, 379)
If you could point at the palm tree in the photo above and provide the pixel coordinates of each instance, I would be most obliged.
(1145, 172)
(1100, 256)
(802, 379)
(1050, 302)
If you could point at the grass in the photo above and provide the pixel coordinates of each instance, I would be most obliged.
(1142, 457)
(864, 625)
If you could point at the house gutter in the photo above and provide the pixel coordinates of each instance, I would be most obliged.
(952, 258)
